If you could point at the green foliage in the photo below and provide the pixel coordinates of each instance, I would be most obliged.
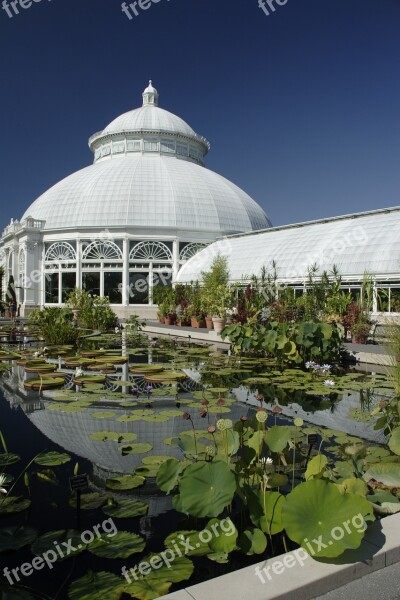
(288, 343)
(94, 311)
(54, 324)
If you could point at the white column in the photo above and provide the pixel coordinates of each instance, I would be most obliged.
(79, 264)
(175, 255)
(125, 272)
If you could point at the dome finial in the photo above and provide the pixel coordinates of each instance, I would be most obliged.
(150, 95)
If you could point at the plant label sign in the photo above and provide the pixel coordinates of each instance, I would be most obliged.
(79, 482)
(312, 439)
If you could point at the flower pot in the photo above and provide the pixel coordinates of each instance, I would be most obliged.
(209, 322)
(359, 339)
(219, 324)
(194, 322)
(170, 320)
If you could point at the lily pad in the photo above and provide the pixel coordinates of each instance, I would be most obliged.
(91, 501)
(114, 436)
(13, 504)
(14, 538)
(138, 448)
(102, 586)
(68, 540)
(52, 459)
(386, 473)
(125, 482)
(125, 508)
(252, 541)
(120, 545)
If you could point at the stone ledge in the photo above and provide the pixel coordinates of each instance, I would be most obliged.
(380, 548)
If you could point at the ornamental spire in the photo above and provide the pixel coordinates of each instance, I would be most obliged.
(150, 95)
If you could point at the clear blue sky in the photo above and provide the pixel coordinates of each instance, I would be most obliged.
(302, 107)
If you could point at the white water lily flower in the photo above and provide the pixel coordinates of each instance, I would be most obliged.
(266, 461)
(2, 482)
(329, 383)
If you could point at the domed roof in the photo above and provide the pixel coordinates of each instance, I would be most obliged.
(148, 191)
(148, 173)
(149, 118)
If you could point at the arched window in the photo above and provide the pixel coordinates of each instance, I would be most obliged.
(147, 251)
(102, 250)
(191, 249)
(60, 251)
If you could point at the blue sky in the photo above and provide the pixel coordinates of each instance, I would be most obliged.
(301, 107)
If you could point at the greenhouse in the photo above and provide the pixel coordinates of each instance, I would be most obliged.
(358, 245)
(129, 221)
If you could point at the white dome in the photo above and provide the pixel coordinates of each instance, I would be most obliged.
(158, 192)
(149, 118)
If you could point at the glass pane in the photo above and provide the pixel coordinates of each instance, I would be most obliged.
(395, 300)
(91, 283)
(383, 299)
(139, 288)
(113, 287)
(51, 288)
(68, 283)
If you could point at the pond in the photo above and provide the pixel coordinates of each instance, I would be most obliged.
(164, 400)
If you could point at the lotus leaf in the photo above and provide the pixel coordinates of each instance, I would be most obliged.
(13, 504)
(119, 545)
(125, 508)
(14, 538)
(205, 489)
(147, 589)
(191, 543)
(353, 486)
(277, 437)
(168, 474)
(102, 586)
(125, 482)
(69, 541)
(252, 541)
(8, 458)
(315, 509)
(387, 474)
(91, 501)
(138, 448)
(222, 541)
(52, 459)
(394, 441)
(316, 466)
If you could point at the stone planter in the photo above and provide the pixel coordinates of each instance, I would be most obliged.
(219, 323)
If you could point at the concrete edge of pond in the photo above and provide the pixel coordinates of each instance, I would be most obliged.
(291, 577)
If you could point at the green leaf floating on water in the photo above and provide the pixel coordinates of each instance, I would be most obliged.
(126, 508)
(68, 540)
(52, 459)
(114, 436)
(317, 508)
(138, 448)
(147, 589)
(14, 538)
(223, 535)
(191, 543)
(205, 489)
(125, 482)
(13, 504)
(8, 458)
(120, 545)
(102, 586)
(91, 501)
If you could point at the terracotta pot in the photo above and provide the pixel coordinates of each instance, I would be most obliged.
(194, 322)
(171, 320)
(219, 323)
(209, 322)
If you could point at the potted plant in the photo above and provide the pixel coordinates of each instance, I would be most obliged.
(360, 331)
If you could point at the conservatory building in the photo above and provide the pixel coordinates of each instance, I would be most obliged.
(129, 221)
